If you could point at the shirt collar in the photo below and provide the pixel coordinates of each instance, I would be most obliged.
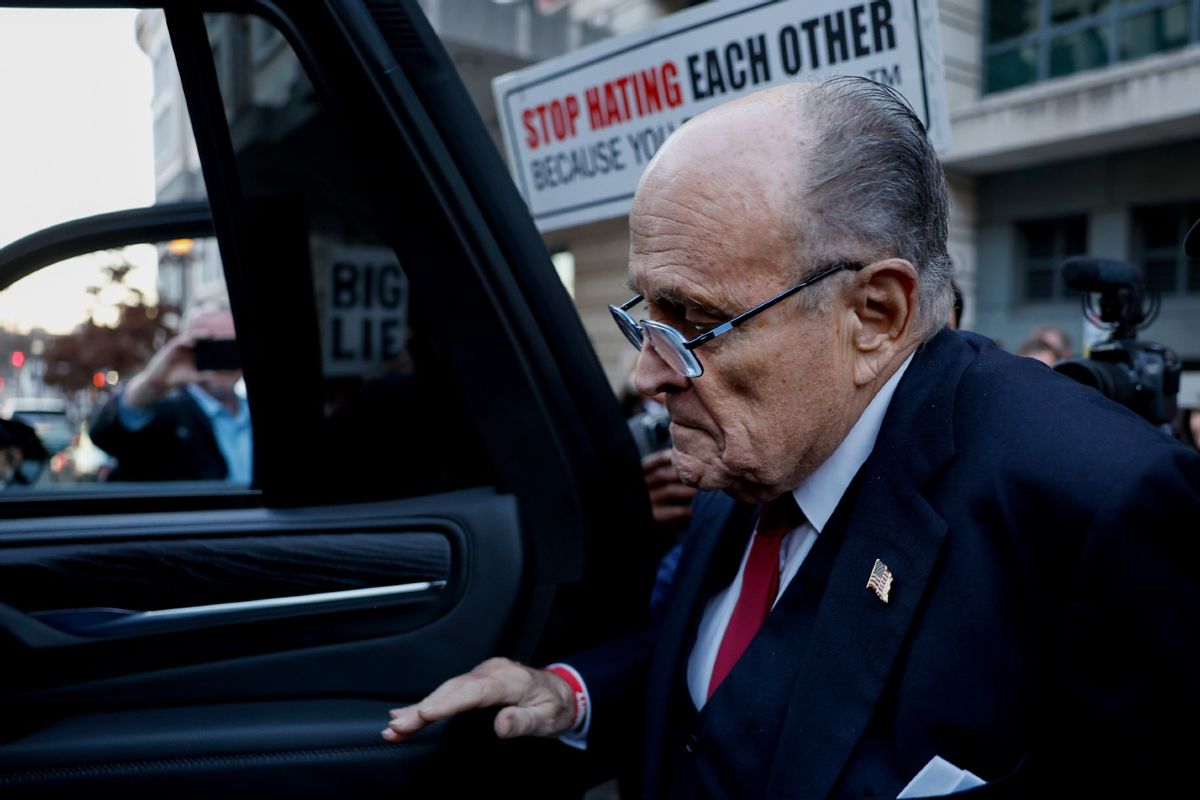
(211, 406)
(820, 494)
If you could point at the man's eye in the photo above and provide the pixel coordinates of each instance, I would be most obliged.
(697, 327)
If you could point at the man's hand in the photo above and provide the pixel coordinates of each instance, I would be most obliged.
(536, 702)
(171, 367)
(670, 498)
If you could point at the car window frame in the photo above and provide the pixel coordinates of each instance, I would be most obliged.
(82, 236)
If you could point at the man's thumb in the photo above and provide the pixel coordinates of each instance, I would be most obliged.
(513, 721)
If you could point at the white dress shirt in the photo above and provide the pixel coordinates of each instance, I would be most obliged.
(817, 497)
(234, 436)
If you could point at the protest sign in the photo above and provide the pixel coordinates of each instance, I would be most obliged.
(579, 129)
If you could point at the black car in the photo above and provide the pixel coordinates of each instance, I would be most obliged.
(440, 473)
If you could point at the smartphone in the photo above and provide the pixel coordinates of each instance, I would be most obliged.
(217, 354)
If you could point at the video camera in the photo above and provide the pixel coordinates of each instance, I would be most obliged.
(1142, 376)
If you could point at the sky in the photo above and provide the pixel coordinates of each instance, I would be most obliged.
(76, 140)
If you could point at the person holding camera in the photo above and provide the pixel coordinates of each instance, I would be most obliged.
(184, 417)
(670, 498)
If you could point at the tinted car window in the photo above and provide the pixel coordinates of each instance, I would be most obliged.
(394, 423)
(69, 380)
(104, 128)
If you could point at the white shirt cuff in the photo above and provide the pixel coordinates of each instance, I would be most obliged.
(577, 737)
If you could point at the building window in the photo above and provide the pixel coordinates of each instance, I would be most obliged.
(1158, 233)
(1045, 244)
(1031, 40)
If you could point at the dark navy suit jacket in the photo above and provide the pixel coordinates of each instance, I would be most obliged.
(178, 444)
(1042, 629)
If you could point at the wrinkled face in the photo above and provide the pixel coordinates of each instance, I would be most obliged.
(708, 242)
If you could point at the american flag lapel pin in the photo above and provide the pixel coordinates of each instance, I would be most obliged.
(880, 580)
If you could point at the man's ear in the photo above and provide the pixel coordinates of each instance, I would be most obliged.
(885, 299)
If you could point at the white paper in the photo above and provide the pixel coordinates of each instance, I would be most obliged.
(939, 777)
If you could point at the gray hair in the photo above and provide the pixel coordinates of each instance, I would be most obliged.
(203, 307)
(874, 181)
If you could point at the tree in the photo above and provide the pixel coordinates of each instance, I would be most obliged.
(139, 331)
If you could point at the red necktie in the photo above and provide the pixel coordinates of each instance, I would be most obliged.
(760, 584)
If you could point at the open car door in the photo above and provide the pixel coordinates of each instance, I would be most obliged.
(440, 472)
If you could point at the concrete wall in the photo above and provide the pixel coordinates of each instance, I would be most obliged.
(1136, 104)
(1106, 189)
(961, 31)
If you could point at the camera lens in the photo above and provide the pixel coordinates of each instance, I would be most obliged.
(1113, 380)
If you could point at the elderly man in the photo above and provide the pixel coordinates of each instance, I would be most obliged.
(915, 550)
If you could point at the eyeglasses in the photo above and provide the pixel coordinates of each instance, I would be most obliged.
(677, 351)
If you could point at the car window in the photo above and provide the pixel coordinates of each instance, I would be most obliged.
(83, 333)
(109, 356)
(394, 420)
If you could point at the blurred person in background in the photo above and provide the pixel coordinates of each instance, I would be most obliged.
(174, 421)
(670, 498)
(1187, 427)
(1054, 338)
(1038, 351)
(1046, 343)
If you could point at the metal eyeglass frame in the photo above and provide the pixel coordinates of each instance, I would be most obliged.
(685, 361)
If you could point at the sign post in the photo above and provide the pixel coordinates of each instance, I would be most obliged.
(579, 129)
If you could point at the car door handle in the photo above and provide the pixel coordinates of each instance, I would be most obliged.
(104, 622)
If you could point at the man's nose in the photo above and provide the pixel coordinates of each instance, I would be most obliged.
(653, 376)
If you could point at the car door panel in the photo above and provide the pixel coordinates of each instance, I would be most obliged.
(175, 562)
(118, 628)
(197, 641)
(159, 705)
(314, 748)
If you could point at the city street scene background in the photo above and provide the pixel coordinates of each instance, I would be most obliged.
(1071, 129)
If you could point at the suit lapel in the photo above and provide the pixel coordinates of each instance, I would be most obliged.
(856, 636)
(713, 547)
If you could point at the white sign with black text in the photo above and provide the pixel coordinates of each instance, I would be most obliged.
(579, 129)
(366, 309)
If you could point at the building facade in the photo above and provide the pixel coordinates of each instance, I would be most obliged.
(1075, 128)
(189, 271)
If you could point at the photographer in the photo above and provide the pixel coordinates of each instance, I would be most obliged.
(1142, 376)
(183, 417)
(670, 498)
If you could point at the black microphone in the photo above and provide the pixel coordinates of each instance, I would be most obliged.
(1100, 274)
